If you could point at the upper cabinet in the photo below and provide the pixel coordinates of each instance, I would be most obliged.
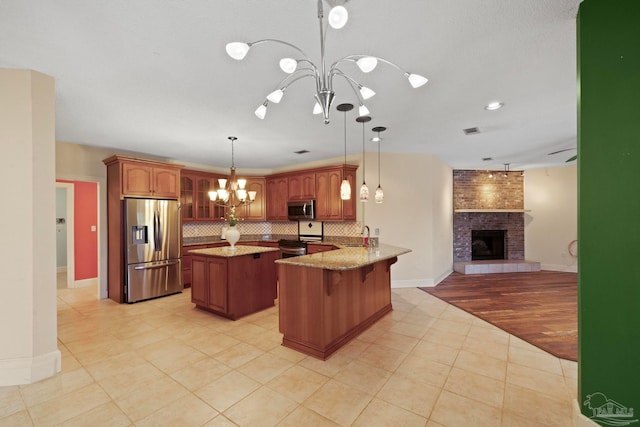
(302, 186)
(277, 195)
(143, 178)
(329, 205)
(256, 211)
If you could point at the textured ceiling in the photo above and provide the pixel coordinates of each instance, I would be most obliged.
(153, 77)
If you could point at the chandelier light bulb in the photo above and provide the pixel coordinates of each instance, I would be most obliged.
(237, 50)
(261, 112)
(317, 108)
(242, 183)
(416, 80)
(366, 92)
(379, 195)
(213, 195)
(275, 96)
(288, 65)
(338, 17)
(252, 195)
(362, 110)
(367, 64)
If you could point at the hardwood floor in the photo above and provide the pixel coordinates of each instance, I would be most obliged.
(538, 307)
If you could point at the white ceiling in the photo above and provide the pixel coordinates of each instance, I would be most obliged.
(153, 77)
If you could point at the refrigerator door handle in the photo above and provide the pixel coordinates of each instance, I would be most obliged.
(149, 267)
(157, 241)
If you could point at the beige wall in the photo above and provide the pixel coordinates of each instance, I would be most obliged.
(552, 196)
(27, 254)
(416, 214)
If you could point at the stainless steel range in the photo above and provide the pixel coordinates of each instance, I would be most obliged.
(308, 231)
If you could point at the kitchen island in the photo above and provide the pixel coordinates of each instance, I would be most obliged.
(328, 298)
(234, 282)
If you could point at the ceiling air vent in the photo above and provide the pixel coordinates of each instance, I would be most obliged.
(486, 159)
(301, 152)
(471, 131)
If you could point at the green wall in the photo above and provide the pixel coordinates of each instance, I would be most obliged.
(609, 205)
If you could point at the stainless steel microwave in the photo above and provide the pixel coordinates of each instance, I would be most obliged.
(301, 209)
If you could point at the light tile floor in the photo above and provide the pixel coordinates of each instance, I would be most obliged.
(164, 363)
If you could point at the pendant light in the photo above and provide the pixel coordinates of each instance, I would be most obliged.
(364, 190)
(379, 196)
(345, 187)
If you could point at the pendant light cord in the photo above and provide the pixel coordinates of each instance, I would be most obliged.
(364, 162)
(378, 159)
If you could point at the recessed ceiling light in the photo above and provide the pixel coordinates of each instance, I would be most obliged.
(495, 105)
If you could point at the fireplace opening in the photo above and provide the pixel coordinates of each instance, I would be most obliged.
(487, 244)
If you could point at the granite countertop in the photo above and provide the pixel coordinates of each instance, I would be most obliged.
(328, 240)
(228, 252)
(345, 258)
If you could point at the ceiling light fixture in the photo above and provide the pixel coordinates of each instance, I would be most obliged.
(379, 196)
(231, 193)
(364, 190)
(345, 187)
(492, 106)
(323, 75)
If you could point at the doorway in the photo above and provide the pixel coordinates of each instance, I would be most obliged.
(65, 250)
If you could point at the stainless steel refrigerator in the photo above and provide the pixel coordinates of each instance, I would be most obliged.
(153, 249)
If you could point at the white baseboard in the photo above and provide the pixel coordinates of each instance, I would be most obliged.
(581, 420)
(31, 369)
(420, 283)
(85, 282)
(62, 269)
(560, 267)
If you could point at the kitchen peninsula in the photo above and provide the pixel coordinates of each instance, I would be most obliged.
(328, 298)
(234, 282)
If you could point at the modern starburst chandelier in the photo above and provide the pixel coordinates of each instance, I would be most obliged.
(303, 67)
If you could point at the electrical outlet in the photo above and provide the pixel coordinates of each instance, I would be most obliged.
(376, 231)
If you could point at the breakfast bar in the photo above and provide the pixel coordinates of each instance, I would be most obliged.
(328, 298)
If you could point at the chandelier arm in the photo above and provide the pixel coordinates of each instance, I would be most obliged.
(354, 84)
(294, 80)
(281, 42)
(354, 58)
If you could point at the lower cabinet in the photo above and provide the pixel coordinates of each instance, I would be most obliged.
(234, 286)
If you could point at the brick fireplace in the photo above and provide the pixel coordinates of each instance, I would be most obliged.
(488, 202)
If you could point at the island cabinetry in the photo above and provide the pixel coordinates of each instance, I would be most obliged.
(277, 196)
(144, 178)
(322, 309)
(187, 257)
(234, 283)
(302, 186)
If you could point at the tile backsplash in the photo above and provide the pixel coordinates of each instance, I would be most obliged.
(199, 229)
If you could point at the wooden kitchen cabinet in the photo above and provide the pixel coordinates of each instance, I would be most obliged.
(302, 186)
(256, 211)
(194, 196)
(150, 179)
(329, 205)
(277, 196)
(234, 286)
(187, 269)
(314, 248)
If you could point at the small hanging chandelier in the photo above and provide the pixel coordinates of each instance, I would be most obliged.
(379, 196)
(345, 187)
(301, 67)
(232, 192)
(364, 190)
